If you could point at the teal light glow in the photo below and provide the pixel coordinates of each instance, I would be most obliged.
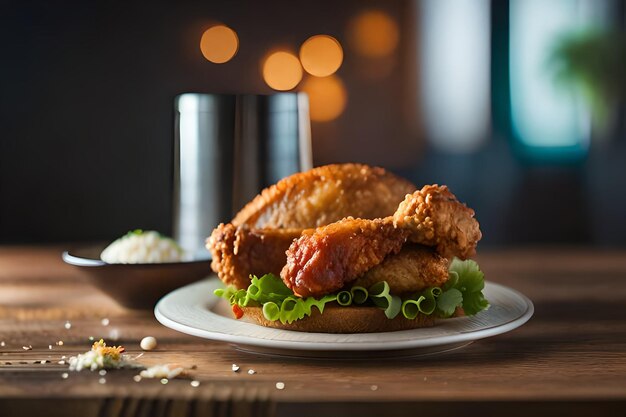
(546, 115)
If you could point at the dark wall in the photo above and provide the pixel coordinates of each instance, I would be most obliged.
(86, 123)
(87, 104)
(86, 130)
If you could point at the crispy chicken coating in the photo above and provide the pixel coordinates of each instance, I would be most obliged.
(325, 259)
(238, 252)
(333, 256)
(324, 195)
(436, 218)
(412, 269)
(275, 232)
(256, 240)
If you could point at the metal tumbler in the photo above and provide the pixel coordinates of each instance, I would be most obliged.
(227, 149)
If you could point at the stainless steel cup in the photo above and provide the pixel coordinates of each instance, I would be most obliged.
(227, 149)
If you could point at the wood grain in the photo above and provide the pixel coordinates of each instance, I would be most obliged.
(570, 357)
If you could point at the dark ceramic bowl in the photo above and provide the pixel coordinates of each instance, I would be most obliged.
(136, 286)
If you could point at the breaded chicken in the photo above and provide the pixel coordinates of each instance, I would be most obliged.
(256, 240)
(412, 269)
(436, 218)
(320, 261)
(325, 259)
(324, 195)
(238, 252)
(333, 256)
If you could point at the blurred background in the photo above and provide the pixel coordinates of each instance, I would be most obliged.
(517, 105)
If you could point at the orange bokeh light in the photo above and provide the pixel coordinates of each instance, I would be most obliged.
(327, 97)
(374, 34)
(219, 44)
(321, 55)
(282, 70)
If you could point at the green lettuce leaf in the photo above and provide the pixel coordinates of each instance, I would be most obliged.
(379, 294)
(344, 298)
(474, 302)
(291, 310)
(359, 294)
(464, 287)
(319, 304)
(448, 301)
(412, 307)
(471, 278)
(277, 300)
(268, 288)
(271, 311)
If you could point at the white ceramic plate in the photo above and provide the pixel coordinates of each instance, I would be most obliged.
(196, 311)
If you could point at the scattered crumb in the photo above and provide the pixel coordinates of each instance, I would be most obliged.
(105, 321)
(374, 387)
(137, 378)
(195, 383)
(65, 375)
(67, 325)
(102, 380)
(235, 367)
(167, 371)
(280, 385)
(114, 334)
(164, 381)
(148, 343)
(251, 371)
(101, 357)
(29, 347)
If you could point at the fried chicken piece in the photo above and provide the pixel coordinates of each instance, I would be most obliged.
(412, 269)
(436, 218)
(324, 195)
(323, 260)
(332, 256)
(237, 252)
(256, 240)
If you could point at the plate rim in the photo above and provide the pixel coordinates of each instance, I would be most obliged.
(380, 345)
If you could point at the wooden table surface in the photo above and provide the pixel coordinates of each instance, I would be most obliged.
(570, 357)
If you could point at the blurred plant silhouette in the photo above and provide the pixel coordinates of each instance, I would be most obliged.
(595, 63)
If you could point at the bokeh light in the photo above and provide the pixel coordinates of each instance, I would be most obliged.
(321, 55)
(374, 34)
(282, 70)
(219, 44)
(327, 97)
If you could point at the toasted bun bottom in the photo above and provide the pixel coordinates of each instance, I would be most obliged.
(336, 319)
